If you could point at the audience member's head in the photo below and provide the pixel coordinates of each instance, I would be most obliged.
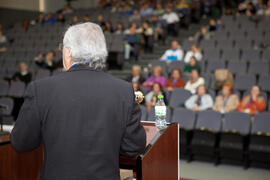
(136, 12)
(108, 26)
(50, 56)
(120, 27)
(145, 25)
(176, 73)
(157, 71)
(175, 45)
(23, 67)
(136, 70)
(159, 6)
(100, 18)
(132, 31)
(203, 29)
(195, 48)
(75, 20)
(86, 18)
(136, 86)
(194, 74)
(226, 90)
(60, 17)
(157, 88)
(193, 61)
(168, 10)
(255, 91)
(201, 90)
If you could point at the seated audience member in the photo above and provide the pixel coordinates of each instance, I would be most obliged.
(172, 20)
(86, 18)
(75, 20)
(158, 28)
(194, 81)
(156, 77)
(252, 103)
(212, 25)
(147, 33)
(23, 74)
(135, 16)
(227, 101)
(67, 9)
(50, 19)
(151, 97)
(100, 21)
(3, 38)
(195, 51)
(136, 75)
(200, 101)
(61, 18)
(182, 6)
(47, 63)
(173, 54)
(119, 29)
(146, 10)
(158, 11)
(202, 35)
(192, 65)
(108, 27)
(176, 81)
(131, 40)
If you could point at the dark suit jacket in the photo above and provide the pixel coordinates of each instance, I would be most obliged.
(141, 79)
(84, 118)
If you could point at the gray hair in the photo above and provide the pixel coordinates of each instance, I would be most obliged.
(86, 42)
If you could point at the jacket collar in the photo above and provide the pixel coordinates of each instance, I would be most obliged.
(79, 67)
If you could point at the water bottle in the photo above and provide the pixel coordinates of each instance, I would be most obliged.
(160, 112)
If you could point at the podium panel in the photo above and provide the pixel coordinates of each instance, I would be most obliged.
(159, 161)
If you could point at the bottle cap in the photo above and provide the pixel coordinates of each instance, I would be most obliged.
(160, 96)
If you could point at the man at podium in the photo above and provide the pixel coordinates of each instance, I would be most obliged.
(84, 117)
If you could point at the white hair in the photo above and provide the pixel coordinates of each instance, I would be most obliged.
(86, 42)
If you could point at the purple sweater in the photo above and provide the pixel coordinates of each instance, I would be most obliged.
(152, 79)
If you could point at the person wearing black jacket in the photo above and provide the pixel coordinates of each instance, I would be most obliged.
(136, 75)
(23, 75)
(87, 119)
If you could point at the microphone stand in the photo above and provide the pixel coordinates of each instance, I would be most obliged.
(2, 132)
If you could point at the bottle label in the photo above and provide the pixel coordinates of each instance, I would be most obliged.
(160, 110)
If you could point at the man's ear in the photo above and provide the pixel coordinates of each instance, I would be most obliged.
(67, 58)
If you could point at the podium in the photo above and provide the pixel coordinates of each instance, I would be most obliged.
(159, 161)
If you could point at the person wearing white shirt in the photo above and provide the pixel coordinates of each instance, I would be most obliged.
(171, 19)
(200, 101)
(173, 54)
(194, 82)
(195, 51)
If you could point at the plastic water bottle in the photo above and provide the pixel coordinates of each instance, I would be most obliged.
(160, 112)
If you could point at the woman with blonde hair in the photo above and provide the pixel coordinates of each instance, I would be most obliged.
(157, 76)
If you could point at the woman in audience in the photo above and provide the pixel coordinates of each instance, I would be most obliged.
(108, 27)
(147, 32)
(227, 101)
(192, 65)
(200, 101)
(151, 97)
(252, 103)
(156, 77)
(176, 81)
(195, 51)
(194, 82)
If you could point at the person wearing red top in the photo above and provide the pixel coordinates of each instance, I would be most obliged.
(253, 103)
(176, 81)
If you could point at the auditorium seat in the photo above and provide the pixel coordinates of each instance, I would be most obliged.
(179, 97)
(233, 138)
(230, 54)
(250, 55)
(151, 115)
(211, 54)
(244, 82)
(226, 44)
(16, 89)
(259, 146)
(4, 86)
(8, 103)
(176, 64)
(237, 67)
(186, 119)
(204, 141)
(41, 73)
(243, 44)
(264, 82)
(258, 68)
(213, 65)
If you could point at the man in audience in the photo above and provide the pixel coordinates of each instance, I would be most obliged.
(252, 103)
(176, 81)
(50, 19)
(194, 81)
(100, 21)
(195, 51)
(47, 63)
(226, 102)
(192, 65)
(158, 11)
(146, 10)
(203, 34)
(212, 25)
(172, 20)
(173, 54)
(157, 76)
(136, 16)
(131, 41)
(158, 27)
(75, 20)
(200, 101)
(136, 75)
(23, 74)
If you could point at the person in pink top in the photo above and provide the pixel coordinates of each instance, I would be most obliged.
(156, 77)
